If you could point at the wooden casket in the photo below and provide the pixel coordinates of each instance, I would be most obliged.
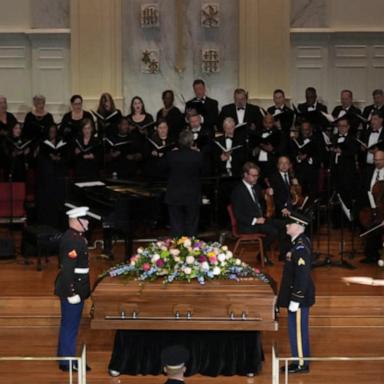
(226, 305)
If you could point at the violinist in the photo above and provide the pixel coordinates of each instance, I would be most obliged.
(374, 187)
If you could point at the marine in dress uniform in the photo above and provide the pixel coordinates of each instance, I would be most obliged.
(297, 291)
(72, 283)
(173, 359)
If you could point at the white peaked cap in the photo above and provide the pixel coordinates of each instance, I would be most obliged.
(77, 212)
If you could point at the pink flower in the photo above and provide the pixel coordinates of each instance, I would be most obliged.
(257, 270)
(146, 267)
(160, 263)
(213, 260)
(202, 258)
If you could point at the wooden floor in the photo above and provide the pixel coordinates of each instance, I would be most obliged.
(346, 321)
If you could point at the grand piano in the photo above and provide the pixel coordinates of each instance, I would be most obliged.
(124, 207)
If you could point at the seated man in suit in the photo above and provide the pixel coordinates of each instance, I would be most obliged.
(208, 108)
(346, 108)
(241, 111)
(249, 207)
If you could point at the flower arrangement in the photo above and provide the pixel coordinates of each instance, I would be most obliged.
(185, 259)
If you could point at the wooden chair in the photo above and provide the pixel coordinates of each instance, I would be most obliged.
(12, 199)
(243, 238)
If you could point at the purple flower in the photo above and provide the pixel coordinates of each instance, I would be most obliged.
(202, 258)
(160, 263)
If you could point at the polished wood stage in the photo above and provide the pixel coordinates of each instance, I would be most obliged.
(346, 321)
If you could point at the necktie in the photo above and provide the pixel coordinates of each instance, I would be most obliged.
(286, 179)
(377, 178)
(259, 212)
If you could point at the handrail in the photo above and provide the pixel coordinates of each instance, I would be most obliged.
(276, 362)
(81, 363)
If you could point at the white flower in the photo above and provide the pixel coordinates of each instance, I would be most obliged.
(205, 266)
(187, 243)
(174, 252)
(221, 257)
(155, 257)
(159, 243)
(177, 259)
(190, 259)
(216, 271)
(187, 270)
(224, 248)
(229, 255)
(140, 250)
(238, 262)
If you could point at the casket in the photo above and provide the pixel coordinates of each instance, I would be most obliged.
(227, 305)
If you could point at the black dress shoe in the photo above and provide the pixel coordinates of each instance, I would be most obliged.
(65, 368)
(367, 260)
(268, 262)
(295, 368)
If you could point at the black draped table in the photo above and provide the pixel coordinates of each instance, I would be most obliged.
(212, 353)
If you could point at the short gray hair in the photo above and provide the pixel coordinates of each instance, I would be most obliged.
(186, 139)
(37, 98)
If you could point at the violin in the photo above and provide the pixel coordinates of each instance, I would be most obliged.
(370, 216)
(296, 192)
(271, 209)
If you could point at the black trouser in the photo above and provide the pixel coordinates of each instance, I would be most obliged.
(184, 219)
(373, 245)
(274, 229)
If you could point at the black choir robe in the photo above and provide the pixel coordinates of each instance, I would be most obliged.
(36, 127)
(71, 128)
(87, 169)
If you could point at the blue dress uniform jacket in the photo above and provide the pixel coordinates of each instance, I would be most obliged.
(296, 283)
(73, 258)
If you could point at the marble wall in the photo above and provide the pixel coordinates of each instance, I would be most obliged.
(309, 13)
(49, 13)
(136, 39)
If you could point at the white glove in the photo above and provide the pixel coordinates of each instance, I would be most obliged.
(293, 306)
(74, 299)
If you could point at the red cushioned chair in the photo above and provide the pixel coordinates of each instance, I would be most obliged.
(244, 238)
(12, 199)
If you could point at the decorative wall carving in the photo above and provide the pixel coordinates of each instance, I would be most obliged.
(210, 15)
(150, 16)
(150, 61)
(210, 60)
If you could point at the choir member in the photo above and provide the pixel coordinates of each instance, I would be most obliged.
(38, 121)
(87, 153)
(377, 106)
(139, 118)
(229, 150)
(348, 109)
(305, 152)
(124, 151)
(249, 208)
(202, 139)
(17, 154)
(311, 110)
(242, 112)
(107, 116)
(268, 142)
(372, 140)
(204, 105)
(171, 114)
(157, 146)
(7, 119)
(183, 196)
(282, 114)
(51, 172)
(345, 149)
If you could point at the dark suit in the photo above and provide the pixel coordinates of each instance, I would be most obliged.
(365, 139)
(246, 210)
(344, 172)
(285, 118)
(350, 115)
(208, 108)
(183, 195)
(368, 110)
(281, 193)
(252, 115)
(174, 119)
(317, 120)
(307, 170)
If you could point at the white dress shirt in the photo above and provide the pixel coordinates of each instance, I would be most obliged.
(373, 139)
(240, 115)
